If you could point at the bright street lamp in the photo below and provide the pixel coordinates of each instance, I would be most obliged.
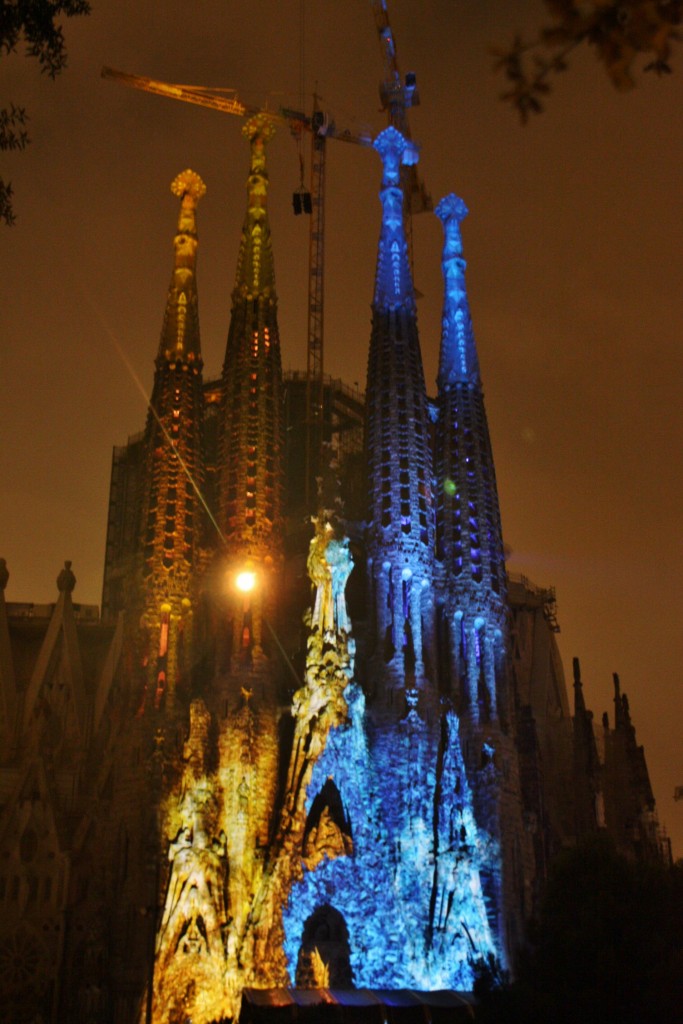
(245, 581)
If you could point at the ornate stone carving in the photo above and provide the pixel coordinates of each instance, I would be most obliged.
(329, 566)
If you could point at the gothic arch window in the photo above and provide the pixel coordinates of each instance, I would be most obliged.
(325, 952)
(24, 976)
(328, 829)
(28, 845)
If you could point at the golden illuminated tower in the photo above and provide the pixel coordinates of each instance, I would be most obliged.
(173, 465)
(250, 486)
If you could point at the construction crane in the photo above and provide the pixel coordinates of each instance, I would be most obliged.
(397, 95)
(320, 127)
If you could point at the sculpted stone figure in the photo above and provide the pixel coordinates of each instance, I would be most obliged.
(195, 912)
(329, 567)
(340, 561)
(196, 890)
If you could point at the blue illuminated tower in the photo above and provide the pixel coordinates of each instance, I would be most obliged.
(401, 533)
(469, 542)
(423, 866)
(473, 627)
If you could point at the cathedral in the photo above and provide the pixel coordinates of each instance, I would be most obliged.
(310, 742)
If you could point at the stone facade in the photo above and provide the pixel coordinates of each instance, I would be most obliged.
(333, 757)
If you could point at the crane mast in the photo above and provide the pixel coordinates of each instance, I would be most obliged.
(316, 303)
(397, 95)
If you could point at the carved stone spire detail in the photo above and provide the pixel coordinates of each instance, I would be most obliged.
(469, 540)
(171, 515)
(251, 440)
(255, 277)
(400, 536)
(458, 351)
(180, 330)
(393, 282)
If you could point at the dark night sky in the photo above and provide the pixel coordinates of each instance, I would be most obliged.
(573, 244)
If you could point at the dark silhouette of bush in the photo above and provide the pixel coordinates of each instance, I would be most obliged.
(606, 948)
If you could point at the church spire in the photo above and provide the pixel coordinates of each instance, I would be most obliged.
(458, 360)
(180, 329)
(588, 795)
(400, 536)
(174, 467)
(255, 277)
(618, 702)
(469, 541)
(579, 702)
(250, 488)
(393, 281)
